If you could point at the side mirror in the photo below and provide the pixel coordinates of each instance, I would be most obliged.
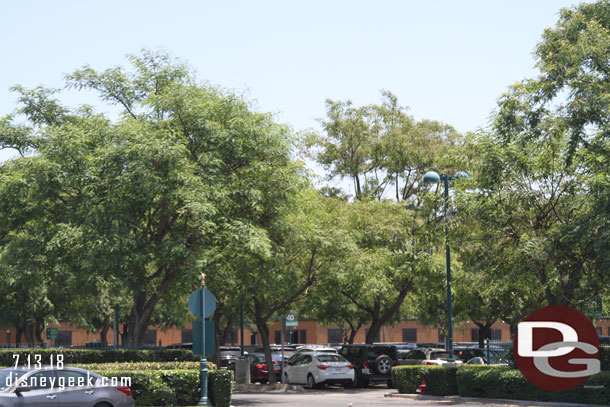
(22, 389)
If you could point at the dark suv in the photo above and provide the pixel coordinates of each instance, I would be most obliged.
(372, 363)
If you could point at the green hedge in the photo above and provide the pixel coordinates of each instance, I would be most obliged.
(80, 356)
(495, 382)
(175, 387)
(510, 384)
(440, 381)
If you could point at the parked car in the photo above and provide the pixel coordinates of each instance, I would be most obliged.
(43, 387)
(319, 368)
(465, 353)
(372, 363)
(258, 367)
(289, 350)
(316, 348)
(228, 356)
(426, 356)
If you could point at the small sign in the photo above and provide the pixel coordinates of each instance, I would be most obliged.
(195, 303)
(292, 319)
(52, 333)
(210, 338)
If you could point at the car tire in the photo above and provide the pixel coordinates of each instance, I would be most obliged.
(383, 364)
(311, 382)
(286, 378)
(103, 405)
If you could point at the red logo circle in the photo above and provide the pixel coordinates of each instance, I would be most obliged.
(549, 368)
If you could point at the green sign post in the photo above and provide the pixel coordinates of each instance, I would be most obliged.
(202, 304)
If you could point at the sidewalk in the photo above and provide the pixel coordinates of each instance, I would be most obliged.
(502, 402)
(267, 388)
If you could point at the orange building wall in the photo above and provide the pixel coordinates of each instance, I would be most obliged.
(314, 332)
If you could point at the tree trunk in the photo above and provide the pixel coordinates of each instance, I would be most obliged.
(39, 327)
(104, 331)
(18, 334)
(142, 310)
(29, 334)
(484, 332)
(263, 329)
(217, 334)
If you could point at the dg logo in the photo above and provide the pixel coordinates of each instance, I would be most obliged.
(556, 348)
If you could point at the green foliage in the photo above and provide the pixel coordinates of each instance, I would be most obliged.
(131, 211)
(440, 381)
(510, 384)
(407, 379)
(221, 387)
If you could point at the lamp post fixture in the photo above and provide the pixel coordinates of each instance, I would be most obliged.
(8, 338)
(432, 177)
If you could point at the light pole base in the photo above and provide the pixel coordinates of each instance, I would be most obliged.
(204, 402)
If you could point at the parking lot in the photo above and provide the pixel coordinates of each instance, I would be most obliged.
(338, 397)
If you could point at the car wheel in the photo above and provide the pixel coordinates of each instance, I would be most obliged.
(383, 364)
(286, 378)
(311, 383)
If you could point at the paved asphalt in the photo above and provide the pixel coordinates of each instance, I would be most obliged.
(338, 397)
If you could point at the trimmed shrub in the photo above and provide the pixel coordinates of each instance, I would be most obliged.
(440, 381)
(510, 384)
(406, 379)
(75, 356)
(220, 387)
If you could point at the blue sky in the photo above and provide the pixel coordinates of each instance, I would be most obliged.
(446, 60)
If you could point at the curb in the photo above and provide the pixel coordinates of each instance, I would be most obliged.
(474, 400)
(266, 388)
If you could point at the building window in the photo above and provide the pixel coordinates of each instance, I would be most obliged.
(254, 338)
(335, 335)
(303, 336)
(150, 337)
(496, 334)
(64, 338)
(441, 336)
(278, 337)
(187, 336)
(599, 331)
(409, 334)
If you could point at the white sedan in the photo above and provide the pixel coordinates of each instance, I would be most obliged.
(317, 369)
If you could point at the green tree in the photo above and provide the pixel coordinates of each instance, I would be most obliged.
(143, 197)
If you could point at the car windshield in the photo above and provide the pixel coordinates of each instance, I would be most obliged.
(331, 358)
(439, 355)
(8, 377)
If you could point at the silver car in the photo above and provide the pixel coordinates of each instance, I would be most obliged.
(67, 387)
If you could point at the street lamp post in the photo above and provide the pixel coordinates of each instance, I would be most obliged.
(432, 177)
